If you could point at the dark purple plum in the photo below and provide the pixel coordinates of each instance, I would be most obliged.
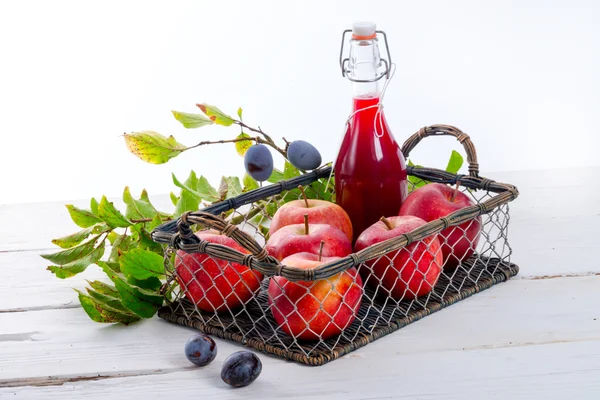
(258, 162)
(303, 155)
(200, 349)
(241, 369)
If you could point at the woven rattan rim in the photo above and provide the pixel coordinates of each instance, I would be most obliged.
(178, 234)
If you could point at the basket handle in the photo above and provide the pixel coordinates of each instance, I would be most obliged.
(445, 130)
(215, 222)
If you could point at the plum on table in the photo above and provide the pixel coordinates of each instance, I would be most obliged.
(241, 369)
(200, 349)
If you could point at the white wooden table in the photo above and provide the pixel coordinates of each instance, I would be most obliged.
(535, 337)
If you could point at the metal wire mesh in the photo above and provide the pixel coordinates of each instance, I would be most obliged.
(316, 321)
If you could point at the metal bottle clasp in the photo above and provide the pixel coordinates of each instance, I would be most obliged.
(344, 61)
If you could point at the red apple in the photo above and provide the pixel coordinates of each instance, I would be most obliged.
(318, 309)
(214, 284)
(407, 273)
(436, 200)
(318, 211)
(300, 238)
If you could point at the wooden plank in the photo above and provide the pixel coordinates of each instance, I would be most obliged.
(26, 284)
(551, 371)
(516, 314)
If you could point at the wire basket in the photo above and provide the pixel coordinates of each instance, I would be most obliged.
(230, 287)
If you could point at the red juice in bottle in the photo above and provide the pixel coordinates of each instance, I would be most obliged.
(370, 170)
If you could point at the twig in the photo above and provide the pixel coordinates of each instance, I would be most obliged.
(268, 139)
(254, 139)
(240, 218)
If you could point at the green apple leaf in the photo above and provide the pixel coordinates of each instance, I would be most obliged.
(156, 222)
(153, 147)
(271, 209)
(82, 218)
(93, 310)
(112, 236)
(216, 115)
(101, 228)
(74, 239)
(143, 302)
(455, 163)
(109, 214)
(239, 113)
(104, 288)
(289, 171)
(199, 187)
(416, 182)
(206, 190)
(79, 265)
(191, 121)
(320, 189)
(243, 146)
(174, 198)
(138, 209)
(114, 302)
(152, 283)
(94, 206)
(264, 230)
(231, 185)
(294, 194)
(276, 176)
(249, 183)
(109, 267)
(74, 253)
(144, 196)
(188, 201)
(189, 185)
(105, 298)
(101, 312)
(121, 244)
(142, 264)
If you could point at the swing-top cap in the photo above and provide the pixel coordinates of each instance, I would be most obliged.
(364, 30)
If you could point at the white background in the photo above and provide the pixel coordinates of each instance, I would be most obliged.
(521, 77)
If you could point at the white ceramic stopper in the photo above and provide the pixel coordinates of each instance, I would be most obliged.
(363, 29)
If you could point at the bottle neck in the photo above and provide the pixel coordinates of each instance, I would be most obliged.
(365, 65)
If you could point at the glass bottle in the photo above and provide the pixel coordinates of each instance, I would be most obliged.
(370, 170)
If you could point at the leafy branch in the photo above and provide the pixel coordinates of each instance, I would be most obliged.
(155, 148)
(119, 241)
(245, 138)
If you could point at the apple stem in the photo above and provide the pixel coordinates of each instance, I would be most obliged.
(306, 224)
(455, 191)
(321, 249)
(304, 195)
(387, 222)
